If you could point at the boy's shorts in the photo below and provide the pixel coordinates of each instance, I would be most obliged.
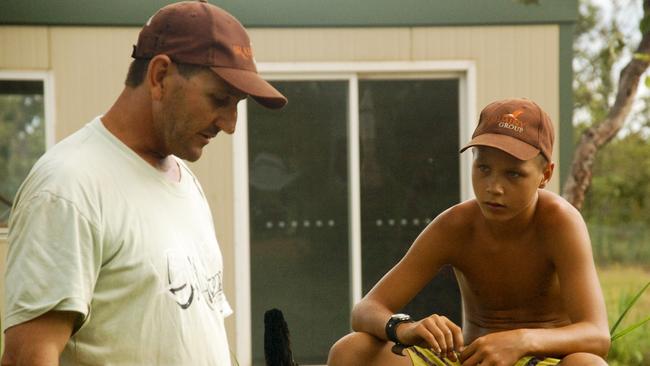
(426, 357)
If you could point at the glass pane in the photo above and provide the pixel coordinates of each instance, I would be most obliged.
(298, 216)
(409, 174)
(22, 136)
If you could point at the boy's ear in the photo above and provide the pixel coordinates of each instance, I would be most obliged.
(547, 174)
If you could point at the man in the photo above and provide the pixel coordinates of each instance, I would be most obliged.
(522, 258)
(113, 258)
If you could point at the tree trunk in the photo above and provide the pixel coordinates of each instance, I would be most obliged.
(600, 134)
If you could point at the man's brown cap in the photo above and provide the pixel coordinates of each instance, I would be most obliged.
(517, 126)
(198, 33)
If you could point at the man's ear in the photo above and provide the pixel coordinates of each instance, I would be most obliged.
(159, 68)
(547, 174)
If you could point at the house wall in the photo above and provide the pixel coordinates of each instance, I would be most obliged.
(88, 65)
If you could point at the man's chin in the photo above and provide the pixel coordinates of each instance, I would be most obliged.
(192, 155)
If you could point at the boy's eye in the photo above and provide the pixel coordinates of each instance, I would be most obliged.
(483, 168)
(514, 174)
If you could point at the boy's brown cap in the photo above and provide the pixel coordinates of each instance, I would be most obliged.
(517, 126)
(195, 32)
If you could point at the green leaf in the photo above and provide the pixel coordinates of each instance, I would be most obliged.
(644, 25)
(629, 329)
(647, 81)
(642, 56)
(627, 309)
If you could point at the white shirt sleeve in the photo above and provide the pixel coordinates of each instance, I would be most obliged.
(53, 260)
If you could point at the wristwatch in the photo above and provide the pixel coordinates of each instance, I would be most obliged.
(391, 334)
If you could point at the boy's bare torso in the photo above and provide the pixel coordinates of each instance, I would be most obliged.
(507, 283)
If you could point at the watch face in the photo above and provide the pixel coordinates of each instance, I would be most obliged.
(401, 317)
(392, 323)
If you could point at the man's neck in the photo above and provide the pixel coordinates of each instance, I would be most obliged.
(130, 120)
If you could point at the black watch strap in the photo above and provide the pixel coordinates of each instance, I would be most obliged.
(391, 333)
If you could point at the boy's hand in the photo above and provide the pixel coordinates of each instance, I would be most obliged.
(495, 349)
(436, 332)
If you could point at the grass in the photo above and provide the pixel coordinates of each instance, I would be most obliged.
(620, 285)
(621, 243)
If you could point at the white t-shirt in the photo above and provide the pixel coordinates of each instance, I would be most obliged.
(97, 230)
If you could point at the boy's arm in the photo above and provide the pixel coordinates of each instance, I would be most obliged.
(580, 289)
(570, 249)
(420, 264)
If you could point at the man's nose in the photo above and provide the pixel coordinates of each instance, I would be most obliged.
(229, 120)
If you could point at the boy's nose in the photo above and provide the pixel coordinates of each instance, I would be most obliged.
(494, 187)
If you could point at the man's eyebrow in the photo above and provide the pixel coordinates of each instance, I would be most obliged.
(231, 90)
(227, 92)
(223, 87)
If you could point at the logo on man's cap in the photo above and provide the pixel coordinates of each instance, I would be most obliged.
(511, 121)
(243, 51)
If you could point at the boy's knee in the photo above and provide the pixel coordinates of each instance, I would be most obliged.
(582, 359)
(353, 349)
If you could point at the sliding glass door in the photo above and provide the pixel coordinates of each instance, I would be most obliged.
(409, 174)
(298, 216)
(300, 222)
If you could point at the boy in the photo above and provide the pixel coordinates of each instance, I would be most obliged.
(522, 258)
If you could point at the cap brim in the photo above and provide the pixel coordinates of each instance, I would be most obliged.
(252, 84)
(508, 144)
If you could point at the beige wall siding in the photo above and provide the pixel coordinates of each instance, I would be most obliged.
(331, 45)
(89, 66)
(24, 48)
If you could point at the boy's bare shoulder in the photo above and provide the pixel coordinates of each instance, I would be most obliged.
(460, 218)
(442, 240)
(556, 216)
(553, 208)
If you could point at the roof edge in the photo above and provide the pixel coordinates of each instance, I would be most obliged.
(303, 13)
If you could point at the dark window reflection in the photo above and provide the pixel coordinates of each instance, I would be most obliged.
(409, 174)
(298, 216)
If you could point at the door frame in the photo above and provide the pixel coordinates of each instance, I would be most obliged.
(463, 70)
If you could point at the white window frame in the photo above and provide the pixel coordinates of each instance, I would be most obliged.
(48, 102)
(464, 70)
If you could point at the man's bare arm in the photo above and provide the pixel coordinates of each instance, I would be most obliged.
(38, 342)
